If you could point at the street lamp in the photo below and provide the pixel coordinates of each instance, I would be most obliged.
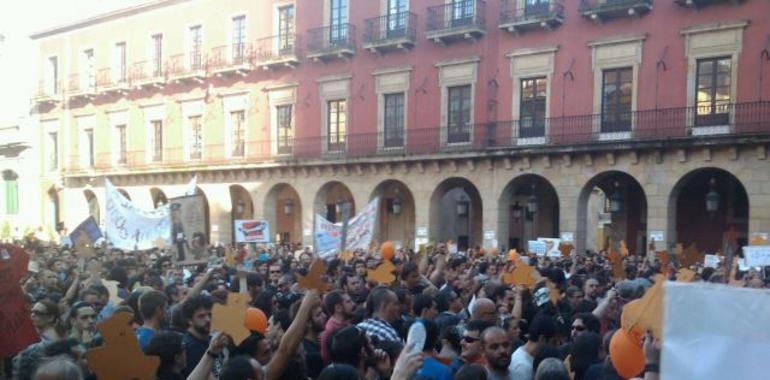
(462, 206)
(616, 199)
(288, 207)
(239, 207)
(516, 211)
(395, 206)
(712, 198)
(532, 201)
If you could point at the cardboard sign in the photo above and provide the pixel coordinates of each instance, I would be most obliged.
(711, 261)
(252, 231)
(89, 227)
(551, 246)
(646, 313)
(120, 357)
(757, 256)
(188, 219)
(536, 247)
(16, 327)
(231, 318)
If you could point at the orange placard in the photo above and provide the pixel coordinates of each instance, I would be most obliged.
(623, 248)
(314, 278)
(383, 274)
(685, 275)
(231, 317)
(120, 357)
(646, 313)
(617, 265)
(513, 256)
(523, 275)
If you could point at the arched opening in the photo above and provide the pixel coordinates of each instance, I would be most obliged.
(124, 193)
(241, 206)
(395, 221)
(158, 197)
(709, 206)
(456, 213)
(93, 205)
(612, 207)
(529, 208)
(283, 210)
(332, 199)
(53, 211)
(10, 191)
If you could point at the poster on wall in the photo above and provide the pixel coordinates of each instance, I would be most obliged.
(188, 221)
(251, 231)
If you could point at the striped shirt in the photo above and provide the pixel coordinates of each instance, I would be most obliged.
(379, 329)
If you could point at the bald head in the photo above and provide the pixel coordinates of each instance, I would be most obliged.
(484, 310)
(58, 369)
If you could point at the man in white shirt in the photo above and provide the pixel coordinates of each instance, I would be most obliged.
(542, 329)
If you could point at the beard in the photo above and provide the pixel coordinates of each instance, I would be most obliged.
(203, 330)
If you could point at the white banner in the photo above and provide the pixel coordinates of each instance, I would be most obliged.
(128, 227)
(757, 256)
(252, 231)
(328, 236)
(551, 246)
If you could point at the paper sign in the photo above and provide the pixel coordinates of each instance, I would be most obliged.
(656, 235)
(711, 261)
(252, 231)
(551, 246)
(567, 236)
(307, 232)
(489, 234)
(420, 241)
(452, 248)
(757, 256)
(422, 232)
(536, 247)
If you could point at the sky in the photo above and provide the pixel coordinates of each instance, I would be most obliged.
(19, 19)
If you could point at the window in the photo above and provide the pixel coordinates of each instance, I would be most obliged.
(157, 55)
(52, 86)
(393, 120)
(459, 114)
(88, 70)
(285, 28)
(338, 22)
(237, 119)
(120, 62)
(532, 107)
(285, 134)
(120, 134)
(337, 124)
(239, 39)
(10, 180)
(156, 141)
(53, 151)
(196, 137)
(89, 141)
(462, 12)
(396, 13)
(617, 87)
(196, 44)
(713, 91)
(536, 7)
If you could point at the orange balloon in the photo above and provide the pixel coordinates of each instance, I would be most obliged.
(256, 320)
(626, 354)
(387, 250)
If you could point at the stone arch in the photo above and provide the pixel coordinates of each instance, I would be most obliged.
(456, 212)
(516, 222)
(206, 212)
(283, 211)
(329, 200)
(124, 193)
(396, 213)
(690, 221)
(53, 210)
(241, 206)
(93, 204)
(628, 222)
(158, 197)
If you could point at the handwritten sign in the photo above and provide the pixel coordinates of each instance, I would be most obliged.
(551, 246)
(757, 256)
(536, 247)
(328, 236)
(15, 324)
(656, 235)
(711, 261)
(128, 227)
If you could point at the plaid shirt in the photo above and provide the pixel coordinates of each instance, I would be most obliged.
(379, 329)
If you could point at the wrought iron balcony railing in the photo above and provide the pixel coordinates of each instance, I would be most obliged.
(47, 91)
(398, 30)
(460, 19)
(686, 125)
(532, 14)
(82, 85)
(187, 66)
(703, 3)
(277, 51)
(236, 58)
(603, 9)
(331, 41)
(147, 74)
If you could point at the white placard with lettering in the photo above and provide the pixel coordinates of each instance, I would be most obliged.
(656, 235)
(422, 232)
(711, 261)
(489, 234)
(757, 256)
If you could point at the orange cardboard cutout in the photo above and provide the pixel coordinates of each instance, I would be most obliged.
(120, 357)
(383, 274)
(160, 243)
(757, 239)
(346, 256)
(685, 275)
(522, 275)
(314, 278)
(565, 249)
(664, 262)
(691, 256)
(646, 313)
(513, 256)
(617, 265)
(623, 248)
(231, 317)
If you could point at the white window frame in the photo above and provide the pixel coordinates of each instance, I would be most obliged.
(281, 95)
(192, 108)
(276, 43)
(233, 103)
(50, 83)
(452, 73)
(84, 70)
(115, 64)
(230, 37)
(188, 43)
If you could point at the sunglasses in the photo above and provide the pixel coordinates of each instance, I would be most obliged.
(275, 271)
(470, 339)
(579, 328)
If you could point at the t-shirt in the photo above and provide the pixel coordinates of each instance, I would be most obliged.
(495, 376)
(521, 364)
(313, 360)
(144, 336)
(16, 327)
(434, 369)
(194, 349)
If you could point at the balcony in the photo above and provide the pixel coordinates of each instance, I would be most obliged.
(146, 75)
(235, 59)
(459, 20)
(602, 10)
(390, 32)
(47, 93)
(704, 3)
(187, 68)
(277, 52)
(546, 14)
(110, 82)
(331, 42)
(82, 87)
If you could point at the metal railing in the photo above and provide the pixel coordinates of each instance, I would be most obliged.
(46, 88)
(276, 48)
(609, 5)
(78, 83)
(458, 14)
(397, 26)
(232, 55)
(330, 39)
(107, 78)
(145, 71)
(513, 12)
(670, 124)
(186, 63)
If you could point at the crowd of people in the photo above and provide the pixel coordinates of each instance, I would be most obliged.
(477, 325)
